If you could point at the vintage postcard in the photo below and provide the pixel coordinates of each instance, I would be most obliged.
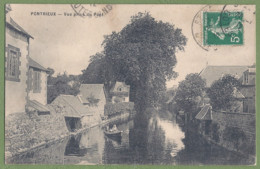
(98, 84)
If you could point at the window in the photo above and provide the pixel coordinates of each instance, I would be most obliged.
(30, 79)
(13, 63)
(36, 81)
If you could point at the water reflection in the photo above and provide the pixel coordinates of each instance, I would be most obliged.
(73, 148)
(153, 139)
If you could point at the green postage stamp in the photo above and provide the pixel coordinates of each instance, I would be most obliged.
(223, 28)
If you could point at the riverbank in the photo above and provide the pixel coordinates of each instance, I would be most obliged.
(28, 132)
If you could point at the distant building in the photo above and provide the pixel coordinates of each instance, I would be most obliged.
(213, 73)
(93, 96)
(25, 79)
(120, 92)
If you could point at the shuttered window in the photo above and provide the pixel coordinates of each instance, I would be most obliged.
(36, 81)
(30, 79)
(13, 63)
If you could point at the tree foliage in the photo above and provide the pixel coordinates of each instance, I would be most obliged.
(95, 73)
(190, 92)
(234, 135)
(221, 92)
(62, 84)
(142, 54)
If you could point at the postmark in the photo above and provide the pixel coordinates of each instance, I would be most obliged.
(91, 10)
(215, 26)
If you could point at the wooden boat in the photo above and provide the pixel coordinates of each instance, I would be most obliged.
(115, 135)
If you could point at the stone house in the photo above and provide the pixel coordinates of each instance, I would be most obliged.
(245, 97)
(120, 92)
(93, 97)
(18, 95)
(76, 115)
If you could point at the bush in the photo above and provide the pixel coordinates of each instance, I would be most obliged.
(215, 132)
(234, 135)
(111, 109)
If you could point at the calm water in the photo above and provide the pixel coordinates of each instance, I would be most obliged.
(158, 140)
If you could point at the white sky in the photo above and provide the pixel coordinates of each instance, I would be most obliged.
(66, 43)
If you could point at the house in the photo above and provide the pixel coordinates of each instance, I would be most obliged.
(248, 90)
(245, 97)
(93, 97)
(37, 82)
(75, 113)
(120, 92)
(18, 86)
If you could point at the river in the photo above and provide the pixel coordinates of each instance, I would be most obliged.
(159, 140)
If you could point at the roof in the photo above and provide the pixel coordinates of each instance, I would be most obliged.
(36, 65)
(213, 73)
(73, 107)
(237, 94)
(252, 70)
(82, 99)
(205, 113)
(38, 106)
(118, 84)
(91, 90)
(17, 27)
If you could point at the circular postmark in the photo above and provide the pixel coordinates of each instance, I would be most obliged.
(91, 10)
(219, 25)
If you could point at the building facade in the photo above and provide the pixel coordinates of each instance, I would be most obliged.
(120, 92)
(18, 66)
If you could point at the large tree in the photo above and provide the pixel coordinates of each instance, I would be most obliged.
(143, 55)
(221, 92)
(96, 70)
(189, 92)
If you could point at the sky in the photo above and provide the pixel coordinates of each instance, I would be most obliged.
(65, 43)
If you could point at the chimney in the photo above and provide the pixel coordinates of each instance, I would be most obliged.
(7, 12)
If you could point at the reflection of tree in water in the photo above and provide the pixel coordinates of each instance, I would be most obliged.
(146, 144)
(147, 139)
(156, 142)
(199, 151)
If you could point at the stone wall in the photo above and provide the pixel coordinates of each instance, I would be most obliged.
(239, 125)
(24, 131)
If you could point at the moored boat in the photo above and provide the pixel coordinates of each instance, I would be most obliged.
(114, 135)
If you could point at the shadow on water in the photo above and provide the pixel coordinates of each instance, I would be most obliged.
(150, 138)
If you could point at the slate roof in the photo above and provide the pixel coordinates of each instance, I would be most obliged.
(205, 113)
(38, 106)
(213, 73)
(237, 94)
(17, 27)
(36, 65)
(89, 90)
(73, 107)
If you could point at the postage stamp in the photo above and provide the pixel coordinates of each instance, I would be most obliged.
(223, 28)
